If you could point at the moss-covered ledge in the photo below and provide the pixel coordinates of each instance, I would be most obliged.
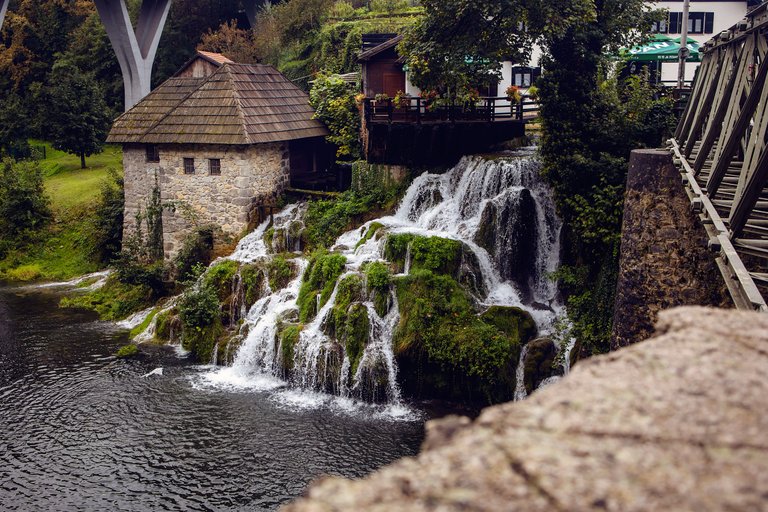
(674, 423)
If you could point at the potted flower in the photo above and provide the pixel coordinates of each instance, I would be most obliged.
(513, 94)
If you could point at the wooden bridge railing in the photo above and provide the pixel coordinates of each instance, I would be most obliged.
(720, 147)
(420, 110)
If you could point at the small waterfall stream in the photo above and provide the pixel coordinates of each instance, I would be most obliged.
(497, 207)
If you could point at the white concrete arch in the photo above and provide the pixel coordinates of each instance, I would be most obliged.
(135, 50)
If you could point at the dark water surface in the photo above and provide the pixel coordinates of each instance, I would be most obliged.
(81, 430)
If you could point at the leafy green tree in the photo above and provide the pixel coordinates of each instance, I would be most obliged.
(14, 125)
(334, 104)
(461, 43)
(77, 118)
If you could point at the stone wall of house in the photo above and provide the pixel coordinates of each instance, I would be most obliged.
(139, 181)
(250, 176)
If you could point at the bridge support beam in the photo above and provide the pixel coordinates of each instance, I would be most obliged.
(135, 50)
(3, 10)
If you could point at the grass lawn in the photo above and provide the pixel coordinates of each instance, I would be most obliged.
(64, 249)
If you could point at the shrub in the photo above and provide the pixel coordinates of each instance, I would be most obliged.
(108, 219)
(24, 207)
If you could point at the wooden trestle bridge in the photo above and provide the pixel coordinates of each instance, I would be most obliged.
(720, 148)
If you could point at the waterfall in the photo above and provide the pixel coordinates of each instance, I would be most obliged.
(498, 208)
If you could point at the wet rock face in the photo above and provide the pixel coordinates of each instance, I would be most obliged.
(674, 423)
(539, 362)
(508, 232)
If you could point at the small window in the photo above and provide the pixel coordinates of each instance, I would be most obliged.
(153, 153)
(214, 166)
(189, 166)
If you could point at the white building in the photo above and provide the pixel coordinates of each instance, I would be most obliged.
(705, 20)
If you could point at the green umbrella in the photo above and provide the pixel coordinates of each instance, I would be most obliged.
(660, 49)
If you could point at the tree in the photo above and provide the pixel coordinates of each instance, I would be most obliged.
(334, 104)
(234, 43)
(78, 119)
(14, 123)
(460, 43)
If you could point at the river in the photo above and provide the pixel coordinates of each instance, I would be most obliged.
(82, 430)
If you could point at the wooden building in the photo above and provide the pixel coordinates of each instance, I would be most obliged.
(218, 140)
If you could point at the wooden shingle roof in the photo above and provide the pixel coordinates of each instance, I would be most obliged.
(238, 104)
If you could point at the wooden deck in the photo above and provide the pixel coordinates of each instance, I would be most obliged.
(720, 147)
(421, 111)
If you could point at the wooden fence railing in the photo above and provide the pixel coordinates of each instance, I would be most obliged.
(420, 110)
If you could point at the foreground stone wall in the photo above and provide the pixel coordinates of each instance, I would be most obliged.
(675, 423)
(664, 257)
(250, 176)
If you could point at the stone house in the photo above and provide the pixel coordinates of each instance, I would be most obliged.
(218, 140)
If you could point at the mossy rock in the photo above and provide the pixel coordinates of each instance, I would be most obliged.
(253, 278)
(288, 336)
(220, 277)
(374, 229)
(201, 341)
(130, 350)
(356, 333)
(167, 324)
(539, 362)
(515, 322)
(323, 270)
(350, 290)
(280, 272)
(446, 350)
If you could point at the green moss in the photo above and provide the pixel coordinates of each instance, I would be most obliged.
(378, 278)
(113, 301)
(220, 276)
(280, 273)
(163, 326)
(326, 220)
(372, 230)
(356, 330)
(320, 278)
(436, 254)
(288, 337)
(514, 322)
(201, 341)
(143, 325)
(253, 283)
(439, 322)
(127, 351)
(269, 236)
(350, 290)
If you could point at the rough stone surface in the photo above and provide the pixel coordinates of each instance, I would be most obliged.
(675, 423)
(664, 257)
(250, 176)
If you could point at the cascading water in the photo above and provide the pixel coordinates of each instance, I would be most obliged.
(498, 208)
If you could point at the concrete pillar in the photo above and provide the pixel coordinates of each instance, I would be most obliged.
(3, 9)
(135, 50)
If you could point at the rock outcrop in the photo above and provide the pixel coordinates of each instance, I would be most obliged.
(675, 423)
